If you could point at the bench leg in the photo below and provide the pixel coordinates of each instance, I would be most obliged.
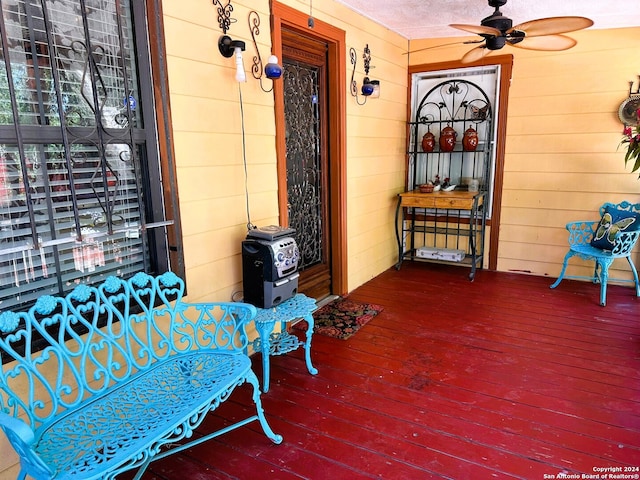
(143, 468)
(253, 380)
(635, 275)
(603, 277)
(564, 268)
(249, 377)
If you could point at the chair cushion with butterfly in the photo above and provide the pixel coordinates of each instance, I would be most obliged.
(614, 236)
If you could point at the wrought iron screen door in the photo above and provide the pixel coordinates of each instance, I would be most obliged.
(305, 109)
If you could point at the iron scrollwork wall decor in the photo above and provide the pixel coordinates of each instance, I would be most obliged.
(272, 70)
(370, 88)
(224, 15)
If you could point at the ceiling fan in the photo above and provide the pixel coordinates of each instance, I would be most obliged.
(542, 34)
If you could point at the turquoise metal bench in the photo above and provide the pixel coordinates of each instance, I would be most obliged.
(123, 375)
(614, 236)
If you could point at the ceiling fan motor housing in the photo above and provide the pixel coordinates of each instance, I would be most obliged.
(500, 22)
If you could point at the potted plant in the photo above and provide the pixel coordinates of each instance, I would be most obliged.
(631, 138)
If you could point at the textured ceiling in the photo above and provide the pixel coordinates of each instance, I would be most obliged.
(416, 19)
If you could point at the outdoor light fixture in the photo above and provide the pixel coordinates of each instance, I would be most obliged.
(229, 47)
(272, 70)
(376, 88)
(370, 88)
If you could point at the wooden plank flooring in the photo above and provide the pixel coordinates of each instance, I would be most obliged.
(497, 378)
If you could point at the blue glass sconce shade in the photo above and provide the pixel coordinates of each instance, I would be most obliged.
(367, 87)
(272, 69)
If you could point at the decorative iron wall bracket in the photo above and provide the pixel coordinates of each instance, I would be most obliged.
(369, 87)
(272, 70)
(224, 15)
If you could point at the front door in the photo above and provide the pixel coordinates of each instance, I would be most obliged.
(307, 167)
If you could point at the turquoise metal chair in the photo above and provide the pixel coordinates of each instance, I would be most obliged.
(614, 236)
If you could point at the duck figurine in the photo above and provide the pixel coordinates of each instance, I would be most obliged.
(447, 186)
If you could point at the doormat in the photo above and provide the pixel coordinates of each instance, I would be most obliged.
(341, 318)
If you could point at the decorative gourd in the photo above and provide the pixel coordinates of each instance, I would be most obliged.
(428, 142)
(470, 140)
(447, 139)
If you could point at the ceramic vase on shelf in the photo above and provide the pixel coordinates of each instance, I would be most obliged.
(447, 139)
(470, 140)
(428, 142)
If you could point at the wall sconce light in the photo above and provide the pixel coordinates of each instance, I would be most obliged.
(376, 88)
(370, 88)
(272, 70)
(229, 47)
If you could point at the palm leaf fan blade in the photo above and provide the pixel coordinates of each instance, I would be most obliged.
(442, 45)
(552, 26)
(548, 43)
(477, 29)
(475, 54)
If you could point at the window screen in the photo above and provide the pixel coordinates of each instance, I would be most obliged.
(80, 182)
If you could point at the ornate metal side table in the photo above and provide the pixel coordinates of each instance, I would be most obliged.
(279, 343)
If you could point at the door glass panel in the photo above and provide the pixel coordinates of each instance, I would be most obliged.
(304, 166)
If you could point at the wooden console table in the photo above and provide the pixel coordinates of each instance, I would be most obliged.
(437, 219)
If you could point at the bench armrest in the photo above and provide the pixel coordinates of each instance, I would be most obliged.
(21, 438)
(624, 242)
(581, 233)
(217, 325)
(16, 428)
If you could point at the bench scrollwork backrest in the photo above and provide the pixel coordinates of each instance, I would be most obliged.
(100, 335)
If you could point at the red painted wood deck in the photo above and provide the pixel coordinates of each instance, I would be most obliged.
(497, 378)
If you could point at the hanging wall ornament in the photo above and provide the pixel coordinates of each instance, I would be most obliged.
(43, 259)
(100, 254)
(224, 14)
(16, 277)
(25, 266)
(117, 251)
(78, 262)
(88, 255)
(32, 271)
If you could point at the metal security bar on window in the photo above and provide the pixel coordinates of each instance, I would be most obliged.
(74, 201)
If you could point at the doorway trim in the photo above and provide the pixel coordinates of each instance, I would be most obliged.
(291, 19)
